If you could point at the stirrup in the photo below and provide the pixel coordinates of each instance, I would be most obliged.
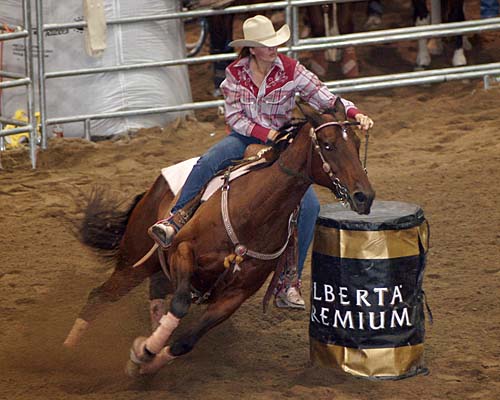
(159, 233)
(290, 299)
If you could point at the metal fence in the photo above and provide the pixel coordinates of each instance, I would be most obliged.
(25, 33)
(291, 8)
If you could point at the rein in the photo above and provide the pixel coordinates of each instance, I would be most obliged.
(293, 173)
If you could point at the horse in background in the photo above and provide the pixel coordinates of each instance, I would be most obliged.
(341, 22)
(451, 9)
(219, 253)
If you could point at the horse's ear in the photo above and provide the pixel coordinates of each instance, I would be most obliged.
(311, 115)
(338, 110)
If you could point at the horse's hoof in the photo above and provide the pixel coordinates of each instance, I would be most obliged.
(317, 68)
(76, 333)
(349, 63)
(132, 369)
(162, 358)
(138, 354)
(459, 58)
(423, 60)
(435, 46)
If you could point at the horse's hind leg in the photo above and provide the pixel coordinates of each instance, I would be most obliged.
(149, 352)
(349, 62)
(319, 64)
(121, 281)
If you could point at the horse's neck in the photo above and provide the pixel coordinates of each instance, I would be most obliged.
(296, 156)
(274, 195)
(287, 180)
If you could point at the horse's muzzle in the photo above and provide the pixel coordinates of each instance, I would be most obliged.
(361, 202)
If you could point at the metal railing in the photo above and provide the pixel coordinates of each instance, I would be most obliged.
(16, 80)
(291, 8)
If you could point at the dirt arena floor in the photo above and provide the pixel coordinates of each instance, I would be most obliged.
(437, 146)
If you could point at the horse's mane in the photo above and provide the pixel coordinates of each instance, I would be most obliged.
(287, 133)
(285, 136)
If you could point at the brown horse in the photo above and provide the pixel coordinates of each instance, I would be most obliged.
(204, 257)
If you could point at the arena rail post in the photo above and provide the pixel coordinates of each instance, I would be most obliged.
(24, 32)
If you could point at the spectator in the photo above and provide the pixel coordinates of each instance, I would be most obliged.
(489, 8)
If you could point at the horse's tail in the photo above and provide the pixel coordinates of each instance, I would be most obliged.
(103, 224)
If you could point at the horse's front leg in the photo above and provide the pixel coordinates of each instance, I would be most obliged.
(215, 313)
(149, 353)
(456, 14)
(422, 17)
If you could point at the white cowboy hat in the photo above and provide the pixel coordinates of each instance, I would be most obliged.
(259, 31)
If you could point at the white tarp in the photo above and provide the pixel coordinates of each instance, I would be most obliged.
(105, 92)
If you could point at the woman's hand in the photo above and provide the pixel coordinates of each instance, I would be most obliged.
(365, 122)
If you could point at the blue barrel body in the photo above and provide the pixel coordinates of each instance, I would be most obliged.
(367, 302)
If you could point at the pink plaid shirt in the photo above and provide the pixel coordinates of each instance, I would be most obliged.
(253, 111)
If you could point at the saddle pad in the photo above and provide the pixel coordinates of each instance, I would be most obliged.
(177, 174)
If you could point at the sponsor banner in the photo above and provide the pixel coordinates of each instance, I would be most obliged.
(367, 303)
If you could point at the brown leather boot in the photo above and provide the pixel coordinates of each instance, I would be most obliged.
(163, 231)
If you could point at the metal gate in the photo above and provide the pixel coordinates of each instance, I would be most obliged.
(291, 8)
(14, 79)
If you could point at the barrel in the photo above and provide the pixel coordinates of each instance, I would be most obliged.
(367, 302)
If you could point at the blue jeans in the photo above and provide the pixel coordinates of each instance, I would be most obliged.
(308, 213)
(220, 156)
(489, 8)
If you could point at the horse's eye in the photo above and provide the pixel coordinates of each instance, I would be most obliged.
(327, 146)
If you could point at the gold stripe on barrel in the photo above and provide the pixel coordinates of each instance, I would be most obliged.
(423, 234)
(379, 362)
(370, 245)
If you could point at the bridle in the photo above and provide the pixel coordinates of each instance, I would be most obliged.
(339, 190)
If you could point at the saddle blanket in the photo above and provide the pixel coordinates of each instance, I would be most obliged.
(177, 174)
